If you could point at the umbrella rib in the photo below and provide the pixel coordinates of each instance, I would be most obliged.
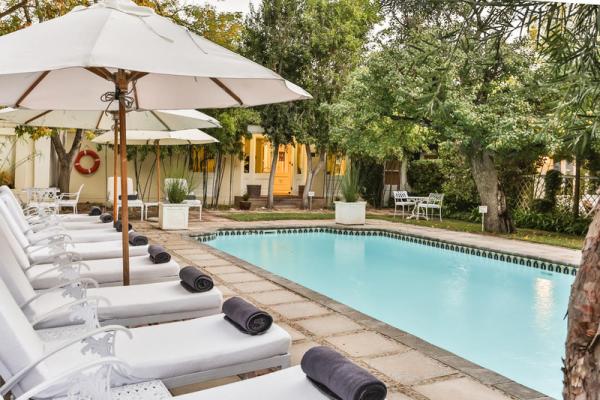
(31, 87)
(160, 120)
(101, 72)
(36, 117)
(135, 96)
(228, 91)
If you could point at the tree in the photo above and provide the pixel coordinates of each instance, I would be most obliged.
(338, 34)
(276, 37)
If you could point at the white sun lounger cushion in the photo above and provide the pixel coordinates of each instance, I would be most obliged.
(131, 302)
(289, 384)
(107, 271)
(81, 236)
(182, 348)
(88, 251)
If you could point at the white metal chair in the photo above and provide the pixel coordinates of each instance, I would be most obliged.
(191, 203)
(70, 200)
(427, 208)
(130, 203)
(402, 200)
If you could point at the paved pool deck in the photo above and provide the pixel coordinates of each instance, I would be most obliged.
(412, 368)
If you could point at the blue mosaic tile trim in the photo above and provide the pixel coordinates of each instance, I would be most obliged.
(493, 255)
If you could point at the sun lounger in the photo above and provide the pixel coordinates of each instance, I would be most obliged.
(103, 271)
(177, 353)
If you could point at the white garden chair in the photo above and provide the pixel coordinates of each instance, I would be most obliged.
(69, 200)
(402, 200)
(428, 207)
(130, 203)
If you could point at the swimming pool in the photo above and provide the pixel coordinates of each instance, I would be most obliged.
(503, 316)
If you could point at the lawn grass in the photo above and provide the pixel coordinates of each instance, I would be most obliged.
(528, 235)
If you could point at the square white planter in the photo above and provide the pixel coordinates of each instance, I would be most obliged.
(350, 213)
(173, 216)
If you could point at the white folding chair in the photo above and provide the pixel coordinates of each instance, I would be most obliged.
(402, 200)
(70, 200)
(428, 207)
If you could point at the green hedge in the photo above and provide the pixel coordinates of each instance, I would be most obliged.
(425, 176)
(552, 222)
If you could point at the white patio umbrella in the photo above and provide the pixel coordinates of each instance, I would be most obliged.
(101, 120)
(158, 138)
(117, 55)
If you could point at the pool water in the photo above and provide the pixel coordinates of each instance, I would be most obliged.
(505, 317)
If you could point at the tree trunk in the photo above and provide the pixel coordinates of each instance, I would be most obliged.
(404, 174)
(577, 187)
(311, 173)
(582, 360)
(65, 158)
(490, 192)
(272, 175)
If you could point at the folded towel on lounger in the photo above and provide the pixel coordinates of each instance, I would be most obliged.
(246, 317)
(130, 196)
(106, 218)
(95, 211)
(158, 254)
(193, 279)
(119, 226)
(338, 377)
(137, 239)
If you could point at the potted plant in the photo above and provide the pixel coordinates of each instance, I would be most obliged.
(245, 204)
(351, 211)
(174, 214)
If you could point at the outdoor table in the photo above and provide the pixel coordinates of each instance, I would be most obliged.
(41, 195)
(415, 211)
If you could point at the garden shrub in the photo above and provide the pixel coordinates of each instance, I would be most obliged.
(460, 193)
(425, 176)
(542, 205)
(552, 183)
(561, 222)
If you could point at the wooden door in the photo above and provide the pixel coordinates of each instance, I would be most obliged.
(283, 173)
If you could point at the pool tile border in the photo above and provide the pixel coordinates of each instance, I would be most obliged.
(485, 376)
(537, 263)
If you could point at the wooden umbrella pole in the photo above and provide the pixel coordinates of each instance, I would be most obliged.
(122, 84)
(157, 171)
(116, 169)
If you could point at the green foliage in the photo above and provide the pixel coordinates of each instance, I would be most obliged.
(460, 193)
(553, 222)
(246, 196)
(425, 176)
(371, 173)
(552, 183)
(177, 191)
(350, 185)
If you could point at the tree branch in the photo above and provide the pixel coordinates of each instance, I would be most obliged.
(13, 9)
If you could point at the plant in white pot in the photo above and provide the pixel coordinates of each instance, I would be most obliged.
(351, 211)
(174, 214)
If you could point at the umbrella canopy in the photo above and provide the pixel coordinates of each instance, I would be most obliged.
(164, 138)
(169, 120)
(158, 138)
(48, 66)
(116, 55)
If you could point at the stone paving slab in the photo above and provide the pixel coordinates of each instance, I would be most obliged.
(412, 368)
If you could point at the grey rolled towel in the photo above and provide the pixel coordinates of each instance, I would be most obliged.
(195, 280)
(246, 317)
(137, 239)
(118, 225)
(339, 377)
(106, 218)
(130, 196)
(95, 211)
(158, 254)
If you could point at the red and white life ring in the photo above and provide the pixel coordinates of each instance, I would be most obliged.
(87, 153)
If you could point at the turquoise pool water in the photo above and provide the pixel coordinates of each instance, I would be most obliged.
(505, 317)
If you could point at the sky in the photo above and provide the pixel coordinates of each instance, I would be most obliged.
(228, 5)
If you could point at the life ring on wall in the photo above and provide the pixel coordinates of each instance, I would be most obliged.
(87, 153)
